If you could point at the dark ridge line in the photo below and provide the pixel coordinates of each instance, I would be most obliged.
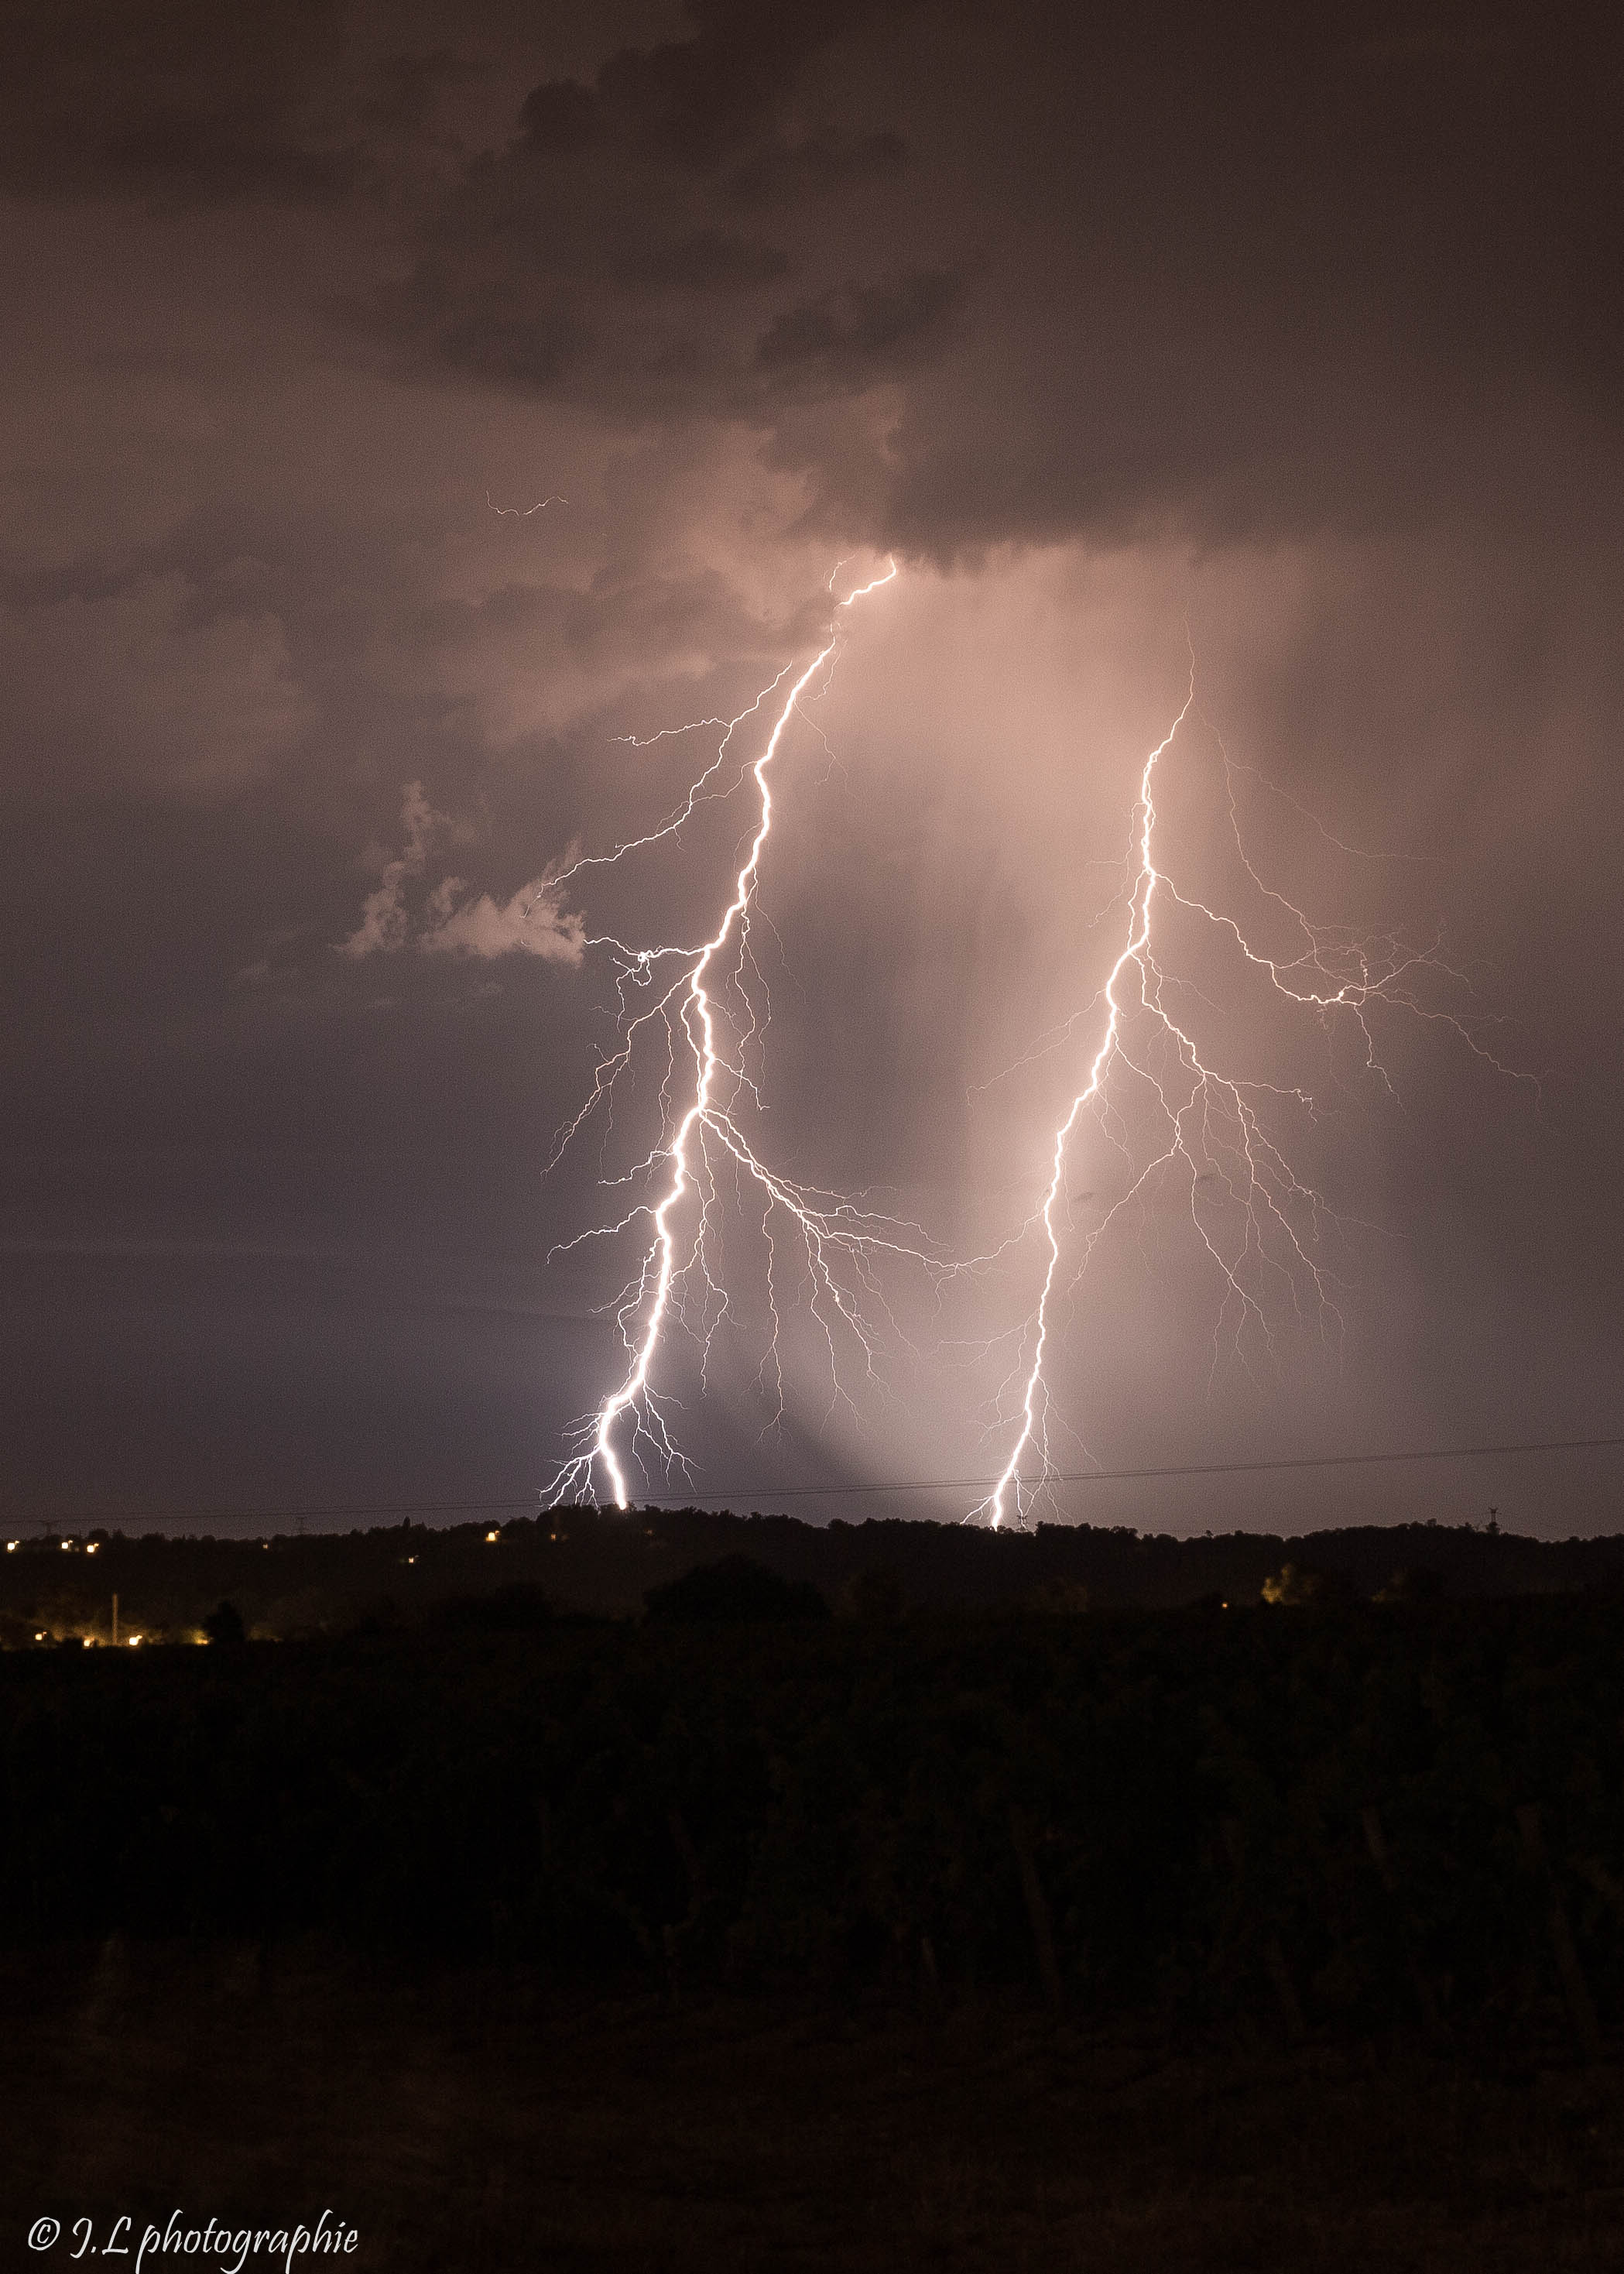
(897, 1484)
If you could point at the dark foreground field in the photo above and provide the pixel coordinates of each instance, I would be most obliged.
(745, 1935)
(473, 2120)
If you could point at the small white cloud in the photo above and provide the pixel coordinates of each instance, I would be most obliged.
(442, 901)
(383, 923)
(530, 924)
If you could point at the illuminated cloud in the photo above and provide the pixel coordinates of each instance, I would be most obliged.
(1302, 326)
(453, 921)
(384, 919)
(530, 924)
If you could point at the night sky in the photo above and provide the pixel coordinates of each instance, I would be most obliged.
(1287, 339)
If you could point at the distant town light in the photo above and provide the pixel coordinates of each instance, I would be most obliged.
(10, 1545)
(132, 1640)
(67, 1547)
(93, 1548)
(493, 1535)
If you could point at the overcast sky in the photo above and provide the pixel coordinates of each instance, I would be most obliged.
(410, 409)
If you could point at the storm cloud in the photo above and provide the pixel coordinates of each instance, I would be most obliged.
(1292, 338)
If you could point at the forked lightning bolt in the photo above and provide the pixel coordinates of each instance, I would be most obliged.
(707, 1134)
(1211, 1130)
(1261, 1227)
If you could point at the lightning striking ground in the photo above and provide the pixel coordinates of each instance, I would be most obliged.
(708, 1136)
(1262, 1227)
(1212, 1131)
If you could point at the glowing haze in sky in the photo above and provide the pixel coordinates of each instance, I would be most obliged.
(414, 415)
(704, 1009)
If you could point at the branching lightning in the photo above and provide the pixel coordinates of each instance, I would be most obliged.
(1175, 1113)
(1259, 1225)
(709, 1018)
(522, 512)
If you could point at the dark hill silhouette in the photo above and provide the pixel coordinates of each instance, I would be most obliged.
(518, 1608)
(735, 1590)
(606, 1563)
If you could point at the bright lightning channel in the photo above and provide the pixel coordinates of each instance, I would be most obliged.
(708, 1133)
(1212, 1132)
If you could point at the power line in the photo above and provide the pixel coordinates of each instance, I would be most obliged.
(930, 1484)
(1176, 1469)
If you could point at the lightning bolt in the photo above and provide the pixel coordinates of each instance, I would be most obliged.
(1213, 1132)
(843, 1244)
(522, 512)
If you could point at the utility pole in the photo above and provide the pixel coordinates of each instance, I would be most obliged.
(115, 1619)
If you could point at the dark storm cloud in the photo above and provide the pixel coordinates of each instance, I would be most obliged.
(187, 104)
(1271, 274)
(713, 103)
(710, 260)
(1304, 323)
(852, 336)
(1231, 269)
(652, 242)
(182, 99)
